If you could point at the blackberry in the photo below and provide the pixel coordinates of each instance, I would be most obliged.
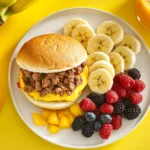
(134, 73)
(97, 98)
(78, 123)
(88, 129)
(119, 107)
(132, 112)
(127, 102)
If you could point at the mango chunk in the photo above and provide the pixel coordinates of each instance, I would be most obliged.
(64, 122)
(53, 118)
(46, 113)
(63, 112)
(53, 129)
(71, 118)
(38, 120)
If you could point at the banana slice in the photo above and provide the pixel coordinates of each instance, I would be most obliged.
(83, 33)
(96, 56)
(100, 81)
(128, 56)
(72, 24)
(131, 42)
(112, 29)
(102, 64)
(100, 43)
(117, 61)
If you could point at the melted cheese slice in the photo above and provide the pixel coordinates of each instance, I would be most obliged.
(57, 98)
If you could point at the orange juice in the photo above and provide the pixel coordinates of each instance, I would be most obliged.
(143, 12)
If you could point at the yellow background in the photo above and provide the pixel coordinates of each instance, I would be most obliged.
(13, 132)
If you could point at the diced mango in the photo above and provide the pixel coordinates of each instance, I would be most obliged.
(71, 118)
(75, 110)
(63, 112)
(46, 113)
(53, 129)
(38, 120)
(64, 122)
(53, 118)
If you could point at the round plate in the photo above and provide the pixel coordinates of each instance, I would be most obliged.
(54, 24)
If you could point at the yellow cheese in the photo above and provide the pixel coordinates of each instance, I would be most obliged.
(53, 97)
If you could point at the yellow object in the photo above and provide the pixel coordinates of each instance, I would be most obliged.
(71, 118)
(53, 129)
(53, 118)
(75, 110)
(143, 12)
(38, 120)
(19, 136)
(53, 97)
(46, 113)
(63, 112)
(64, 122)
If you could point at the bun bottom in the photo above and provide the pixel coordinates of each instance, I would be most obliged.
(51, 105)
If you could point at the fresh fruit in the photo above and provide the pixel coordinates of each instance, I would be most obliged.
(105, 118)
(106, 108)
(53, 118)
(139, 86)
(87, 105)
(117, 61)
(116, 122)
(97, 56)
(71, 118)
(134, 73)
(132, 112)
(129, 92)
(87, 129)
(64, 122)
(90, 116)
(126, 102)
(118, 77)
(111, 97)
(119, 108)
(112, 29)
(119, 89)
(53, 129)
(63, 112)
(97, 113)
(102, 64)
(136, 98)
(72, 24)
(45, 113)
(128, 56)
(105, 131)
(100, 43)
(75, 110)
(83, 33)
(97, 98)
(131, 42)
(127, 82)
(100, 81)
(38, 120)
(97, 126)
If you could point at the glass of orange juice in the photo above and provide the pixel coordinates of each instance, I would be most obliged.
(143, 12)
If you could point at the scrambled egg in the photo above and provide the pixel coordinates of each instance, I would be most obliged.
(53, 97)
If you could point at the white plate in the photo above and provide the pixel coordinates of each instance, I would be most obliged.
(54, 24)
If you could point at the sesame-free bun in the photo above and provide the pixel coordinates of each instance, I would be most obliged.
(51, 53)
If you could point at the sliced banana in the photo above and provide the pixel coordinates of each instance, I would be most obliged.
(100, 81)
(112, 29)
(100, 43)
(102, 64)
(83, 33)
(117, 61)
(128, 56)
(96, 56)
(131, 42)
(72, 24)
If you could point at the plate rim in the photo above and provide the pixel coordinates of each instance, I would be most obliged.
(17, 108)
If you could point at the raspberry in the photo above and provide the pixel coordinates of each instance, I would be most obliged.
(111, 96)
(106, 108)
(116, 122)
(126, 81)
(119, 89)
(97, 98)
(97, 113)
(129, 92)
(136, 98)
(139, 86)
(87, 105)
(119, 108)
(88, 129)
(134, 73)
(117, 77)
(132, 112)
(105, 131)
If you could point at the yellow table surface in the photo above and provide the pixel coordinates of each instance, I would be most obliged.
(14, 134)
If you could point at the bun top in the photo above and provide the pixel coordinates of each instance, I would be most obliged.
(51, 53)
